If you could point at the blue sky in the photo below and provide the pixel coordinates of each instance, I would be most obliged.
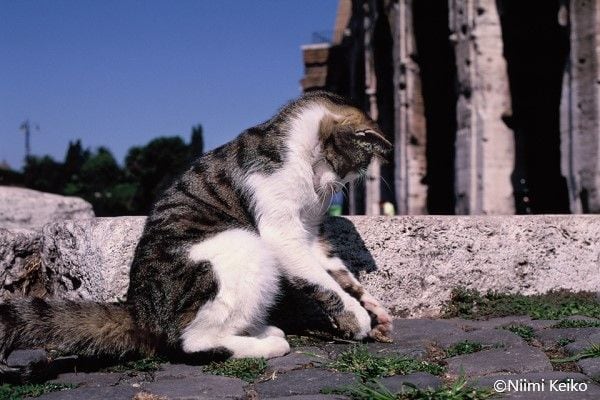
(117, 73)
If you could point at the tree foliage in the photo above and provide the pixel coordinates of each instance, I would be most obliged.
(154, 166)
(97, 177)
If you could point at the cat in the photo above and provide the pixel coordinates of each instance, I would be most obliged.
(208, 264)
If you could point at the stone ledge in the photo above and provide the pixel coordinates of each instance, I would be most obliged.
(411, 263)
(26, 208)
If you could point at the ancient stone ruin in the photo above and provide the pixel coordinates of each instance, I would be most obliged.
(493, 105)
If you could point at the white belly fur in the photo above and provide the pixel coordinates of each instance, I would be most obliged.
(248, 281)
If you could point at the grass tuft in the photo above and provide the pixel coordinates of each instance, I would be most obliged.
(358, 360)
(524, 331)
(465, 347)
(247, 369)
(577, 323)
(459, 390)
(18, 392)
(591, 352)
(470, 304)
(562, 342)
(149, 364)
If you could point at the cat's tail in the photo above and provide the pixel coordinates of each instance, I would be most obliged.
(84, 328)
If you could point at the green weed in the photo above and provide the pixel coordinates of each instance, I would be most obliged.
(562, 342)
(577, 323)
(247, 369)
(18, 392)
(358, 360)
(591, 352)
(466, 303)
(524, 331)
(459, 390)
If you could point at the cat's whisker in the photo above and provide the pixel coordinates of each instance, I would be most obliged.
(339, 186)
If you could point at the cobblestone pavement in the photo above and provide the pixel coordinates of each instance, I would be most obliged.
(508, 349)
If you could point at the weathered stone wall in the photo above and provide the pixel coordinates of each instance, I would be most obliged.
(410, 263)
(484, 144)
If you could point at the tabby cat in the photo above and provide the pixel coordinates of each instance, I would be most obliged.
(208, 265)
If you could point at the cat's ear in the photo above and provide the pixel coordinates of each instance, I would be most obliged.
(373, 141)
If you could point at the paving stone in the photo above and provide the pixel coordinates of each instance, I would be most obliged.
(582, 318)
(576, 347)
(462, 323)
(93, 379)
(303, 382)
(293, 361)
(24, 358)
(539, 324)
(499, 322)
(177, 371)
(580, 345)
(315, 351)
(400, 348)
(119, 392)
(422, 380)
(518, 359)
(549, 337)
(486, 337)
(423, 330)
(590, 367)
(197, 388)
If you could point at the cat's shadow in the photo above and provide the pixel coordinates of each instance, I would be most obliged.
(295, 312)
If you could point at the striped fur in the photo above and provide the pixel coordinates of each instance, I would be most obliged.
(217, 241)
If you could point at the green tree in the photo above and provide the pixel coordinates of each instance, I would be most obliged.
(101, 182)
(154, 166)
(196, 142)
(98, 178)
(75, 157)
(44, 174)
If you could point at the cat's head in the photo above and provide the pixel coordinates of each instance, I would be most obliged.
(350, 140)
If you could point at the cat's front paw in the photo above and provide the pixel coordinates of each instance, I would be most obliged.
(382, 319)
(354, 322)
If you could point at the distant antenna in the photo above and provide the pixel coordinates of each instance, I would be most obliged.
(26, 128)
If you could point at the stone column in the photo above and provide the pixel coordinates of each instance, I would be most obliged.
(372, 189)
(580, 108)
(409, 152)
(484, 144)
